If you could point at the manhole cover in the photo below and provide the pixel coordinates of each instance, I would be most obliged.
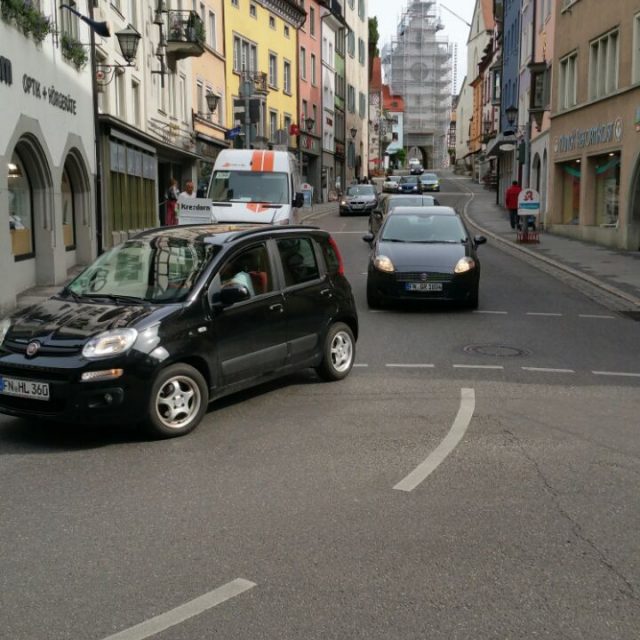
(496, 350)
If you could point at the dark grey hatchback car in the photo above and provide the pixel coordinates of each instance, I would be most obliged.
(164, 323)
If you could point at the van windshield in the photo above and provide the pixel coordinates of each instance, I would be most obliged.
(249, 186)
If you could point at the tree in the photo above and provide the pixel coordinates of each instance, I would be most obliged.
(374, 37)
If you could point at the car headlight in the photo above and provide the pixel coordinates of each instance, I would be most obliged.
(4, 328)
(464, 264)
(382, 263)
(110, 343)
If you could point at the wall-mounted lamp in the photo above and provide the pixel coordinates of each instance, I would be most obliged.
(212, 101)
(354, 132)
(13, 171)
(128, 41)
(309, 123)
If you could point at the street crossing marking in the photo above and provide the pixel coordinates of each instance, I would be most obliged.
(451, 440)
(185, 611)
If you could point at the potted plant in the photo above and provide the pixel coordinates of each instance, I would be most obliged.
(73, 51)
(26, 17)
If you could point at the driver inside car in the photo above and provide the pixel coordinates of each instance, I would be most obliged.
(233, 274)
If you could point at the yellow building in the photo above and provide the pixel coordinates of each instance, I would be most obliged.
(209, 90)
(261, 38)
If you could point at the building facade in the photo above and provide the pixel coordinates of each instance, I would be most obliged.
(310, 94)
(332, 20)
(357, 95)
(595, 123)
(262, 39)
(46, 149)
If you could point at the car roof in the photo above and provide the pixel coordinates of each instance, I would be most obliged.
(223, 233)
(438, 210)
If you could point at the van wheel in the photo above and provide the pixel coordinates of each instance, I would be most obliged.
(339, 352)
(179, 398)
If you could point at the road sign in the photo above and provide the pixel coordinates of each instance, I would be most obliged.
(234, 133)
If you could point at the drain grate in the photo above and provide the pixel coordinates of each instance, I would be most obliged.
(496, 350)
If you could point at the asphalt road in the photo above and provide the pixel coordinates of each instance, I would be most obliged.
(281, 509)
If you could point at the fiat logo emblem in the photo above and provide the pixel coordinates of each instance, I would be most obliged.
(424, 276)
(33, 348)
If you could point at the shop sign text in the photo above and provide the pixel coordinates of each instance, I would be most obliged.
(63, 101)
(6, 74)
(580, 138)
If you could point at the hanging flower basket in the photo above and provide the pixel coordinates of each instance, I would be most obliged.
(73, 51)
(26, 18)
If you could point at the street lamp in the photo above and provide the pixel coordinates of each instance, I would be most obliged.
(212, 101)
(353, 132)
(511, 113)
(309, 123)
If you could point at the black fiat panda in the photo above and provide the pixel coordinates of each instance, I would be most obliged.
(173, 318)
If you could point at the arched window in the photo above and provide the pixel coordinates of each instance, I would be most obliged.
(68, 212)
(20, 209)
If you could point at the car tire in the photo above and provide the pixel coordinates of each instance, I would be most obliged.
(374, 299)
(474, 299)
(338, 353)
(178, 401)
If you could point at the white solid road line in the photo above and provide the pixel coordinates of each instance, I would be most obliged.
(497, 313)
(547, 370)
(616, 373)
(451, 440)
(185, 611)
(551, 315)
(360, 365)
(589, 315)
(411, 366)
(478, 366)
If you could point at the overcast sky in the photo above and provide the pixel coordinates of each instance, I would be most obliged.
(388, 13)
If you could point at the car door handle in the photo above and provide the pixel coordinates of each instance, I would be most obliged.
(326, 292)
(276, 307)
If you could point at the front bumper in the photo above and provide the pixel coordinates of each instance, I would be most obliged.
(123, 399)
(393, 286)
(357, 211)
(431, 187)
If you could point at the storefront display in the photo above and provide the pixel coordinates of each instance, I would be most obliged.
(607, 181)
(570, 172)
(20, 209)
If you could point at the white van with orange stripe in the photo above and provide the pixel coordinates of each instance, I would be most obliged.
(255, 186)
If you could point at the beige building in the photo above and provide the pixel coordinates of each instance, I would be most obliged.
(595, 125)
(209, 90)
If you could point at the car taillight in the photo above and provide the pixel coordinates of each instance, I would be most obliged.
(334, 246)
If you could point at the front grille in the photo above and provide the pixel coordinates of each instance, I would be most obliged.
(417, 276)
(37, 372)
(20, 346)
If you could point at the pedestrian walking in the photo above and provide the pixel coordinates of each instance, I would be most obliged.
(188, 190)
(511, 202)
(171, 200)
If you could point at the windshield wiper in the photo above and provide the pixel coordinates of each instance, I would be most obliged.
(114, 297)
(71, 294)
(393, 240)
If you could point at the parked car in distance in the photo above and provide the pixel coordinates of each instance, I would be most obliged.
(430, 182)
(423, 254)
(173, 318)
(388, 203)
(359, 199)
(410, 184)
(390, 184)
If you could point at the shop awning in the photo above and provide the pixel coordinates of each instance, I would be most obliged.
(394, 147)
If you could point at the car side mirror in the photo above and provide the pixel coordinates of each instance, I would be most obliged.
(298, 200)
(232, 293)
(368, 238)
(480, 240)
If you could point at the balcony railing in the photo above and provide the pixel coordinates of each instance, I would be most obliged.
(258, 80)
(185, 34)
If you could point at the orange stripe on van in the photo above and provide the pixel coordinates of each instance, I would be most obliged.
(269, 160)
(256, 160)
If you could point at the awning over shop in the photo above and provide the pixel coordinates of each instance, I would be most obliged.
(394, 147)
(501, 144)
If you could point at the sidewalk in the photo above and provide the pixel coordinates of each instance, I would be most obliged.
(615, 272)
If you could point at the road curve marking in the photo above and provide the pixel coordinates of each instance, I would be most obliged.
(450, 442)
(185, 611)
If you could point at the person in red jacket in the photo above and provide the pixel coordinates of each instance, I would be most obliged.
(511, 202)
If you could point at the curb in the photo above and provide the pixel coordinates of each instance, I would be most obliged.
(549, 261)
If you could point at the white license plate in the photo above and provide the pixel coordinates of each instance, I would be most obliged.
(24, 388)
(424, 286)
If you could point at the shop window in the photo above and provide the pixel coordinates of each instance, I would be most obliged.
(68, 213)
(607, 183)
(570, 177)
(20, 210)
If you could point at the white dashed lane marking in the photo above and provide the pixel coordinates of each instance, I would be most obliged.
(596, 317)
(410, 366)
(547, 370)
(478, 366)
(496, 313)
(622, 374)
(540, 313)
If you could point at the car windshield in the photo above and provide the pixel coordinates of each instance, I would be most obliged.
(159, 269)
(409, 179)
(430, 177)
(249, 186)
(362, 190)
(423, 228)
(393, 178)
